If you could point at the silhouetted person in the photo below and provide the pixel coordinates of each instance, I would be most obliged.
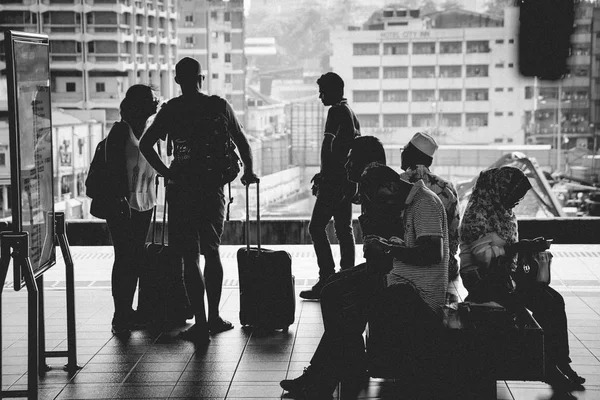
(417, 157)
(194, 123)
(489, 246)
(129, 221)
(418, 275)
(333, 190)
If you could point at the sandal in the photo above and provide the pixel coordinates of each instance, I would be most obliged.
(195, 335)
(219, 326)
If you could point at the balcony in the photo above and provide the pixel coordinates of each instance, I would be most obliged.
(72, 60)
(118, 6)
(108, 61)
(119, 33)
(57, 30)
(60, 2)
(30, 28)
(67, 99)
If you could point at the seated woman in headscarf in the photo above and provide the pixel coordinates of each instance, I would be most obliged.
(488, 250)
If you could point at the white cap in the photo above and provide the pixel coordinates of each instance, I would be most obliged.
(425, 143)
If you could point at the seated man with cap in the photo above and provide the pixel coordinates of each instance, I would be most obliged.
(417, 157)
(389, 205)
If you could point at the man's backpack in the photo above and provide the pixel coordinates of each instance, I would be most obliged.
(210, 155)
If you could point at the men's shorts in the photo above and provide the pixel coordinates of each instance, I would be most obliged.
(196, 218)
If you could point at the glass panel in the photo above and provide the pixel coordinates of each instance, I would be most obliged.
(366, 49)
(395, 72)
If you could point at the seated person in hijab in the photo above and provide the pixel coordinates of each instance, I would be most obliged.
(488, 251)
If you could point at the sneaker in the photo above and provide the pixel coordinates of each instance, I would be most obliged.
(310, 385)
(313, 293)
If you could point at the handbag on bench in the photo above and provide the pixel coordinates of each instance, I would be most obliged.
(533, 268)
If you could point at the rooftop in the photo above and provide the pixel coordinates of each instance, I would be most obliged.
(239, 364)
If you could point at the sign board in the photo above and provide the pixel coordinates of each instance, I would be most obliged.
(30, 127)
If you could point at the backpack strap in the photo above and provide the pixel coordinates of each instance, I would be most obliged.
(218, 105)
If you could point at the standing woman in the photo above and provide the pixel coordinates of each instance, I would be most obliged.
(489, 246)
(134, 187)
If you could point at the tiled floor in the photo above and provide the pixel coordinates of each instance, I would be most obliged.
(239, 364)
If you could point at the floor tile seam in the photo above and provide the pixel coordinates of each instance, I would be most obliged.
(237, 366)
(289, 363)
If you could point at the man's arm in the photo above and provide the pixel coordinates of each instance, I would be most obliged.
(241, 141)
(429, 250)
(154, 133)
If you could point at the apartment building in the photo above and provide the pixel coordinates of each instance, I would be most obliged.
(577, 92)
(212, 32)
(452, 73)
(98, 48)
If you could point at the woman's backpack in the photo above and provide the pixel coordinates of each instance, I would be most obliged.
(100, 183)
(99, 173)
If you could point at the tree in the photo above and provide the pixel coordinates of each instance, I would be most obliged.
(451, 5)
(495, 8)
(428, 7)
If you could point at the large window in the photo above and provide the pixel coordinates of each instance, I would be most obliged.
(478, 46)
(451, 120)
(365, 96)
(450, 71)
(395, 72)
(368, 120)
(474, 71)
(423, 72)
(451, 94)
(423, 120)
(423, 95)
(477, 94)
(424, 48)
(395, 120)
(395, 48)
(366, 49)
(450, 47)
(477, 119)
(365, 72)
(395, 96)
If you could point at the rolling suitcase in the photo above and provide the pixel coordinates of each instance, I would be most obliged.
(163, 298)
(267, 295)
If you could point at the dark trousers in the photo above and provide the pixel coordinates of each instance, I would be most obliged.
(548, 308)
(128, 238)
(347, 300)
(327, 206)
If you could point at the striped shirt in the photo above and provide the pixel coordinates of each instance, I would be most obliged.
(449, 197)
(424, 216)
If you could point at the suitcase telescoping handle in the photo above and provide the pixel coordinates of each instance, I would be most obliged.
(154, 215)
(248, 217)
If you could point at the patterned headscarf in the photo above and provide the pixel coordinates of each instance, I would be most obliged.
(490, 208)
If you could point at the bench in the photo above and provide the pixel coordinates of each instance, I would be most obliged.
(459, 356)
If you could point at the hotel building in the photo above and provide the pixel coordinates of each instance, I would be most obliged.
(99, 48)
(212, 32)
(454, 74)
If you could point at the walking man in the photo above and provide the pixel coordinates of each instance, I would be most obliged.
(198, 126)
(331, 186)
